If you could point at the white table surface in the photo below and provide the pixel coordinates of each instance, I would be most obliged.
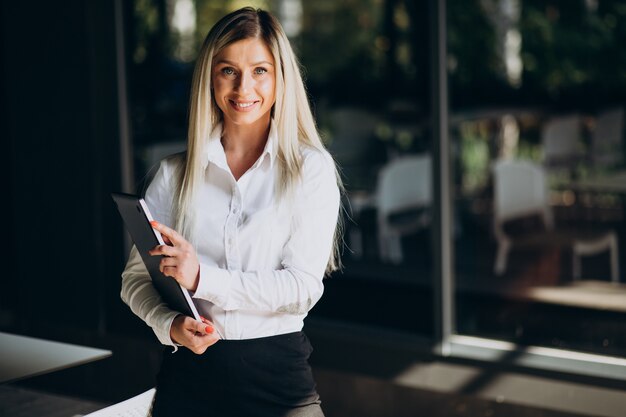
(22, 357)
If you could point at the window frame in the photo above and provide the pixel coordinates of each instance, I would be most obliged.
(447, 342)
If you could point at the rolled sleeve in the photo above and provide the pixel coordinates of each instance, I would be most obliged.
(143, 299)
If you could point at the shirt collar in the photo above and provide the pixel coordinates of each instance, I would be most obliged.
(215, 151)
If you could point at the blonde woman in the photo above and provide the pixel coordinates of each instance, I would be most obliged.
(249, 214)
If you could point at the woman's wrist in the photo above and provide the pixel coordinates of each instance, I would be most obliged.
(172, 329)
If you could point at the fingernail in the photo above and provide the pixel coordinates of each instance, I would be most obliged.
(208, 329)
(154, 223)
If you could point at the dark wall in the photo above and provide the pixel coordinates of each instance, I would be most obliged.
(61, 143)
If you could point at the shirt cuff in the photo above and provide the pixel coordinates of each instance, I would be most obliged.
(162, 331)
(214, 285)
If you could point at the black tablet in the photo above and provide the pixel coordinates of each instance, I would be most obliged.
(137, 218)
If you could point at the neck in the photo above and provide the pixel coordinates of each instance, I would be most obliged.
(245, 139)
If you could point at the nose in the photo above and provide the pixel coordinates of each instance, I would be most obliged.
(245, 82)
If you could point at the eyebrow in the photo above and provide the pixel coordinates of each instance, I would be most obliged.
(225, 61)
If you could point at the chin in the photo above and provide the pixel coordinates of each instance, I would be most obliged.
(243, 120)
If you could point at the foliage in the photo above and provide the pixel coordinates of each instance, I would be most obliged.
(573, 56)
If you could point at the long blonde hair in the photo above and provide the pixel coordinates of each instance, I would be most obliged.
(291, 112)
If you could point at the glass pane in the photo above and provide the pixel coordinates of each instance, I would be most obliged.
(367, 71)
(538, 92)
(366, 68)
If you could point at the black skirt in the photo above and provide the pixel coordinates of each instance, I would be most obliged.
(265, 377)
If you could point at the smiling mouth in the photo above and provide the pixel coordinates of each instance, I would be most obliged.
(242, 105)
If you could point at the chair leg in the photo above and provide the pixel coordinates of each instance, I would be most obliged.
(356, 242)
(586, 248)
(395, 248)
(389, 245)
(576, 267)
(383, 249)
(501, 257)
(614, 258)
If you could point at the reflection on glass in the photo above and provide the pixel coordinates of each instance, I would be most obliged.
(370, 88)
(537, 124)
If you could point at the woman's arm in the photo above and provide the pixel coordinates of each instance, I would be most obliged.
(143, 299)
(137, 289)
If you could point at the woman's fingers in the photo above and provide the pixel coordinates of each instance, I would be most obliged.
(169, 271)
(169, 261)
(164, 250)
(197, 326)
(172, 235)
(197, 336)
(166, 240)
(186, 268)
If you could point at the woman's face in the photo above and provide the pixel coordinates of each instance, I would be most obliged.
(244, 82)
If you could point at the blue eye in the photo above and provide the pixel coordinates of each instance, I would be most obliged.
(228, 71)
(260, 71)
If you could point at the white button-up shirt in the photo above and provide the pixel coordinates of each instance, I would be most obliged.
(262, 259)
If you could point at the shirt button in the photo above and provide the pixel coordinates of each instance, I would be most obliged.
(235, 210)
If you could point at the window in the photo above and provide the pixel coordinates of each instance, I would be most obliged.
(537, 93)
(367, 71)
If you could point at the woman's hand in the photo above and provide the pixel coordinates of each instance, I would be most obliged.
(194, 335)
(180, 260)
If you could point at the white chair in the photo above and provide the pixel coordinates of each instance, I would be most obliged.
(520, 191)
(607, 138)
(404, 186)
(561, 142)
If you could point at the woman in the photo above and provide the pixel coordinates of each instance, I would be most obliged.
(249, 215)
